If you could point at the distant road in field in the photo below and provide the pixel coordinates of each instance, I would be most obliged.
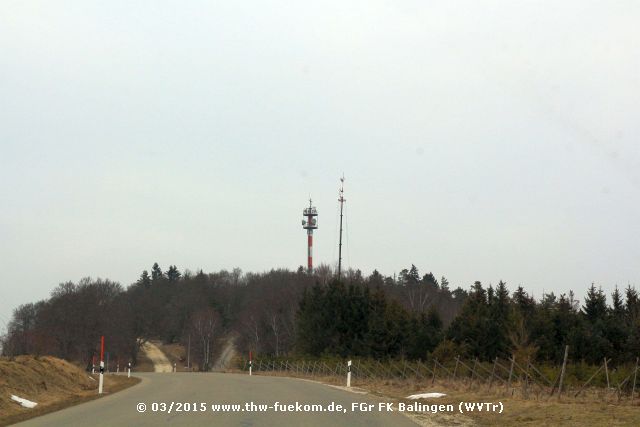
(120, 409)
(157, 357)
(228, 352)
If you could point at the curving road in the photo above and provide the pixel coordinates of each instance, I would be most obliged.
(119, 409)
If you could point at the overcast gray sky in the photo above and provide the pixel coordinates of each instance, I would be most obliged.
(481, 140)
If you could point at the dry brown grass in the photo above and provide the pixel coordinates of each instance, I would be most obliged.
(176, 353)
(52, 383)
(143, 364)
(593, 409)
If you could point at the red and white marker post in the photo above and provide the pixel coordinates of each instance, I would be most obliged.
(250, 361)
(101, 381)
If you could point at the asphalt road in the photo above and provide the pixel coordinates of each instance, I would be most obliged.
(120, 409)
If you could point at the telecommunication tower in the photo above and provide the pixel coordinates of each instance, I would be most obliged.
(310, 223)
(341, 199)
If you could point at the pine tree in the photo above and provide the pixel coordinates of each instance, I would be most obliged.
(376, 338)
(469, 328)
(444, 284)
(632, 306)
(412, 277)
(173, 275)
(430, 280)
(144, 280)
(595, 313)
(156, 273)
(595, 304)
(616, 329)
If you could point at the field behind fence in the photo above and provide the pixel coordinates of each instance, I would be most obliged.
(505, 376)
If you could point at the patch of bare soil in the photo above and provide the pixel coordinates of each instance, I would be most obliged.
(225, 359)
(157, 357)
(52, 383)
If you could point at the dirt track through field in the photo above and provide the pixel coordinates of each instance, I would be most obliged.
(229, 351)
(157, 357)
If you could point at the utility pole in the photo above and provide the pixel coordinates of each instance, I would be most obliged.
(341, 199)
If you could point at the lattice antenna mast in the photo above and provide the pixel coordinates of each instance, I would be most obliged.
(310, 223)
(341, 199)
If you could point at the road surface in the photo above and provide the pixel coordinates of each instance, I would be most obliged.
(120, 409)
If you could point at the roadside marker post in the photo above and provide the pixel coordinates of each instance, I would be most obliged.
(129, 370)
(250, 361)
(101, 382)
(349, 373)
(93, 365)
(175, 369)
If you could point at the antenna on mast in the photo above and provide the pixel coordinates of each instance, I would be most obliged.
(341, 199)
(310, 223)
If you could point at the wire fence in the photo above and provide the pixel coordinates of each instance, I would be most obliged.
(502, 376)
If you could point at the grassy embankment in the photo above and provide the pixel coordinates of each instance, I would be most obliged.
(52, 383)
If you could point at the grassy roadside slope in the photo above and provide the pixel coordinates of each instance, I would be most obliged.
(52, 383)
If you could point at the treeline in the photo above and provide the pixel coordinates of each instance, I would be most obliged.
(261, 310)
(70, 322)
(492, 323)
(355, 321)
(283, 312)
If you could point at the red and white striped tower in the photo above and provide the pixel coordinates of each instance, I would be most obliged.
(310, 223)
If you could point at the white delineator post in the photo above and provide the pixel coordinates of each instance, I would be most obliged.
(101, 381)
(129, 370)
(250, 363)
(175, 367)
(93, 365)
(349, 373)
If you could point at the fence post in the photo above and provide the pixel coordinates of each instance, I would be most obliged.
(493, 372)
(349, 373)
(513, 361)
(564, 366)
(526, 379)
(635, 373)
(435, 365)
(455, 370)
(473, 372)
(606, 372)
